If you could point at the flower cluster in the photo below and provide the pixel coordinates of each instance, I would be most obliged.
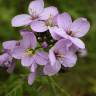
(50, 40)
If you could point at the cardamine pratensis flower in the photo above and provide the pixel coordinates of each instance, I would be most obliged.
(39, 18)
(47, 18)
(27, 53)
(60, 54)
(71, 30)
(6, 58)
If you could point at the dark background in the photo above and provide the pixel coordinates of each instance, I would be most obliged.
(79, 81)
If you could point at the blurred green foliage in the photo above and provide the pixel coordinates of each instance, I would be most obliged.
(79, 81)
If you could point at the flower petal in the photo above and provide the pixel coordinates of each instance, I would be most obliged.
(21, 20)
(27, 61)
(64, 21)
(31, 78)
(60, 32)
(18, 52)
(9, 44)
(80, 27)
(79, 43)
(52, 70)
(39, 26)
(36, 7)
(48, 70)
(29, 39)
(74, 48)
(3, 58)
(53, 34)
(52, 57)
(69, 59)
(63, 45)
(41, 58)
(49, 12)
(33, 66)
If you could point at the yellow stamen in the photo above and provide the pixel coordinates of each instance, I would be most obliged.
(29, 52)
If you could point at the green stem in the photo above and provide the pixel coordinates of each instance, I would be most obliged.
(59, 88)
(52, 87)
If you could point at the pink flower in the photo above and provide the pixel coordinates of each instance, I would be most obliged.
(26, 51)
(6, 58)
(30, 57)
(39, 18)
(40, 58)
(35, 9)
(59, 55)
(47, 19)
(71, 30)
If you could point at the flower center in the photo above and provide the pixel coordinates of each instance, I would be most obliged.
(58, 55)
(70, 33)
(34, 15)
(29, 51)
(49, 22)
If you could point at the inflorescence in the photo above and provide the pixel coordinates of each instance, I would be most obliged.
(50, 40)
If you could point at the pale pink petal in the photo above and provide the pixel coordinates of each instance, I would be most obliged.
(41, 58)
(69, 59)
(54, 20)
(52, 57)
(18, 52)
(27, 60)
(48, 70)
(31, 78)
(57, 66)
(60, 32)
(36, 7)
(49, 12)
(63, 45)
(79, 43)
(53, 34)
(39, 26)
(29, 39)
(80, 27)
(64, 21)
(74, 48)
(9, 44)
(21, 20)
(33, 66)
(52, 70)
